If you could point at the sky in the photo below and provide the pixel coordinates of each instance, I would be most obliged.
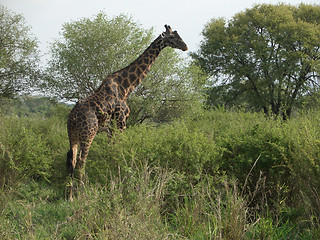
(188, 17)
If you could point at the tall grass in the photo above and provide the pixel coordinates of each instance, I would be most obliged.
(218, 175)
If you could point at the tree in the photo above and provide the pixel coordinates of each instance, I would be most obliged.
(92, 48)
(266, 57)
(89, 50)
(19, 57)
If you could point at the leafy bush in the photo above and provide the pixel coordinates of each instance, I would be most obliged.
(304, 162)
(30, 148)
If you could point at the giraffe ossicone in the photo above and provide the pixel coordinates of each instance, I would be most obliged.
(95, 112)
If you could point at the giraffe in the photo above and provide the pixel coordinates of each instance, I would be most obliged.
(108, 102)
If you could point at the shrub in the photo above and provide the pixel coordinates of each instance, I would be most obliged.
(29, 148)
(174, 146)
(219, 175)
(304, 162)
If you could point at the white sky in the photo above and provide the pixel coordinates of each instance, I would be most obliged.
(188, 17)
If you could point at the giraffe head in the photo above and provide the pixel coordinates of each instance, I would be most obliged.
(172, 39)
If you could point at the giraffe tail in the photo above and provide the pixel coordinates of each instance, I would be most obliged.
(69, 161)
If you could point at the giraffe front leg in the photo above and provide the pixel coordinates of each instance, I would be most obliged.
(121, 124)
(121, 115)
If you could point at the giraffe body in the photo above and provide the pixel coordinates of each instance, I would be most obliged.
(94, 113)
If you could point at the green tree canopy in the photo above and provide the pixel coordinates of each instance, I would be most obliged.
(92, 48)
(19, 56)
(89, 50)
(265, 58)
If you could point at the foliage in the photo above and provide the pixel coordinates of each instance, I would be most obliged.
(90, 49)
(174, 146)
(33, 106)
(30, 147)
(266, 57)
(217, 174)
(19, 56)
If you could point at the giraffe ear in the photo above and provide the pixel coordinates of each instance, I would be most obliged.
(168, 29)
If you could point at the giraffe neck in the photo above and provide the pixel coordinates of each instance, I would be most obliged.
(131, 76)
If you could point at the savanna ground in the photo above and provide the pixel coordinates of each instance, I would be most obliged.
(218, 174)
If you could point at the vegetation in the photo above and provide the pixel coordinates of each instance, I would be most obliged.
(215, 175)
(188, 172)
(265, 58)
(89, 50)
(19, 56)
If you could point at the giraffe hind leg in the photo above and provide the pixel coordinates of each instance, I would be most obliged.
(71, 162)
(72, 158)
(80, 167)
(70, 169)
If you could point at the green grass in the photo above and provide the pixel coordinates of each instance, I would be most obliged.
(218, 175)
